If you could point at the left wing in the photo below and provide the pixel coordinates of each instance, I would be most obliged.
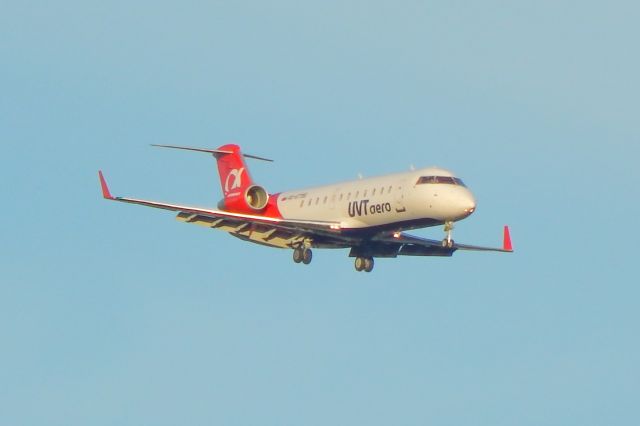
(507, 247)
(417, 246)
(260, 229)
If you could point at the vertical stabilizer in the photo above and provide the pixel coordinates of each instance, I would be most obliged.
(234, 175)
(240, 193)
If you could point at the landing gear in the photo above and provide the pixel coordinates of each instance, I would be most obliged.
(448, 241)
(297, 254)
(302, 254)
(307, 255)
(364, 264)
(368, 264)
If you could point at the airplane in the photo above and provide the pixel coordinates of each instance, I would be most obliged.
(368, 216)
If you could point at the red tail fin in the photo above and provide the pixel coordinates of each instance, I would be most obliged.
(234, 175)
(240, 193)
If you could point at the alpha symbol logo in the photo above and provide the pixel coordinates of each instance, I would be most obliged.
(229, 184)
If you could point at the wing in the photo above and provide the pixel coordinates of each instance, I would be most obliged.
(259, 229)
(411, 245)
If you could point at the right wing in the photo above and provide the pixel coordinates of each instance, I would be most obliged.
(260, 229)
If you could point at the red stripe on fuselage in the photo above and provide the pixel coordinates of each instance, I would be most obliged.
(272, 211)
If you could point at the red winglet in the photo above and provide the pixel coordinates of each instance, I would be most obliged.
(506, 245)
(105, 189)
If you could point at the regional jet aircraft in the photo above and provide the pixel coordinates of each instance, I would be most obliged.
(367, 216)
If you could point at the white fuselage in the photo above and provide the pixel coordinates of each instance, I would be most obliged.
(415, 199)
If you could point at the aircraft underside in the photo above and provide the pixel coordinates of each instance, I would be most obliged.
(362, 242)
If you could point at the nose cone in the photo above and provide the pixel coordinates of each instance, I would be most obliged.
(468, 204)
(471, 206)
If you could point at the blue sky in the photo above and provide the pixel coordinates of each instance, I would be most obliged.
(117, 314)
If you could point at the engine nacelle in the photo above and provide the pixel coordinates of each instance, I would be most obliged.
(254, 199)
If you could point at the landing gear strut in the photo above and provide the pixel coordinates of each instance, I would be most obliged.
(448, 241)
(364, 264)
(302, 254)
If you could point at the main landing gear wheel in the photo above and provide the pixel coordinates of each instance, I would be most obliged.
(307, 255)
(364, 264)
(368, 264)
(303, 255)
(297, 255)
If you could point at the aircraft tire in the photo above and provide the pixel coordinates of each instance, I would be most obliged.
(447, 244)
(359, 264)
(307, 255)
(297, 255)
(368, 264)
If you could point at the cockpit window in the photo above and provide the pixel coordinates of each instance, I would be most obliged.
(440, 179)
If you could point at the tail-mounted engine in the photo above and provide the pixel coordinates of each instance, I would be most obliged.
(256, 197)
(254, 200)
(240, 193)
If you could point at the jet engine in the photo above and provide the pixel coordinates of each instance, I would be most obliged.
(254, 199)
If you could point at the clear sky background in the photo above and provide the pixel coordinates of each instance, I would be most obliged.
(116, 314)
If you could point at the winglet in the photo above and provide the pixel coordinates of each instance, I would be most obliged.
(105, 189)
(506, 245)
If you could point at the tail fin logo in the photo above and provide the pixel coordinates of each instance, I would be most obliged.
(235, 183)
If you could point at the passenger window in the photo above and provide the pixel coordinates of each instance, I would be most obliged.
(302, 203)
(357, 193)
(325, 200)
(340, 197)
(374, 192)
(365, 193)
(317, 200)
(381, 191)
(348, 196)
(390, 188)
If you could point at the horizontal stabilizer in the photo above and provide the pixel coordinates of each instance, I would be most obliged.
(211, 151)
